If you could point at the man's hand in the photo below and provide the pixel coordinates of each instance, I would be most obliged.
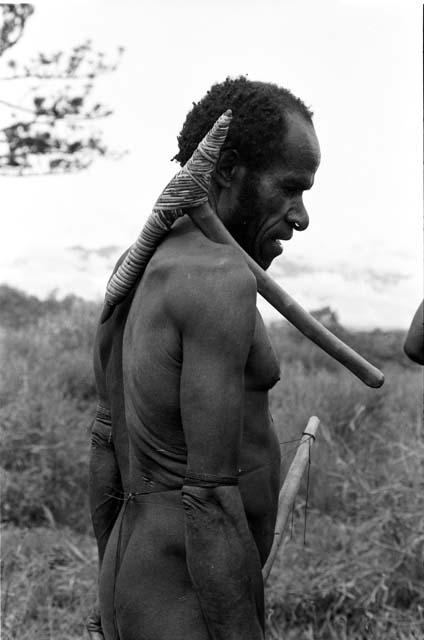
(94, 624)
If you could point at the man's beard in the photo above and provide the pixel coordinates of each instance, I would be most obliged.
(245, 212)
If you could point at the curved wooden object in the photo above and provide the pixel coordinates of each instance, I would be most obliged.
(188, 188)
(289, 491)
(205, 218)
(188, 193)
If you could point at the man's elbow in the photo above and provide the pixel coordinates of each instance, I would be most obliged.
(414, 351)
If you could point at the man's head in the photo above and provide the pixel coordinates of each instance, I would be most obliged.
(269, 158)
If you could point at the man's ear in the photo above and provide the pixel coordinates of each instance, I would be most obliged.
(226, 167)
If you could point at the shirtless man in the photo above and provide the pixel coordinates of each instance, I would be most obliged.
(185, 481)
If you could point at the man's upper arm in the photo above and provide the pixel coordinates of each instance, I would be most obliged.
(216, 318)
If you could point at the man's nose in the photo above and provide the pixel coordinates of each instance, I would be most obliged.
(298, 217)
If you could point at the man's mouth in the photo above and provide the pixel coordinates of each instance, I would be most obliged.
(277, 241)
(281, 235)
(272, 246)
(284, 237)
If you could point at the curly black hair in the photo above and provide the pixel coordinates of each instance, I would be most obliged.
(259, 119)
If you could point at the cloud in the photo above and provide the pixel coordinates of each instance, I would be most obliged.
(76, 269)
(362, 296)
(110, 252)
(377, 279)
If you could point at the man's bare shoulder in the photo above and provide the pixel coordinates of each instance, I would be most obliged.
(194, 275)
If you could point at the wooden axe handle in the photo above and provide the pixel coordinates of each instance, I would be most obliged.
(209, 223)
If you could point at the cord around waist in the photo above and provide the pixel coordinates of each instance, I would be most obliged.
(103, 415)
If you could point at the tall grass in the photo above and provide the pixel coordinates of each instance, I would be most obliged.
(47, 401)
(360, 574)
(48, 583)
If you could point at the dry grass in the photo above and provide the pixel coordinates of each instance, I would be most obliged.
(361, 574)
(48, 583)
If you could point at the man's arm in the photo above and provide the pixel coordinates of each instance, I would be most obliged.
(217, 321)
(414, 342)
(105, 482)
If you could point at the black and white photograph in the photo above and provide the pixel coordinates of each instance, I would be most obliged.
(211, 320)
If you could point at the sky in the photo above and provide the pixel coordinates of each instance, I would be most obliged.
(357, 64)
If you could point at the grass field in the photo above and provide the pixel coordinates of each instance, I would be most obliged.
(360, 574)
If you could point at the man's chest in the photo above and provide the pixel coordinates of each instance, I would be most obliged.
(262, 369)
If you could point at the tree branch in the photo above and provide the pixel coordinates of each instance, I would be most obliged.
(56, 76)
(58, 116)
(14, 17)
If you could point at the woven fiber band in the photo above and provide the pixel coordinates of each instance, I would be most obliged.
(188, 188)
(208, 480)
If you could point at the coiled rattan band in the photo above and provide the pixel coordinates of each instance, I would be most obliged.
(188, 188)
